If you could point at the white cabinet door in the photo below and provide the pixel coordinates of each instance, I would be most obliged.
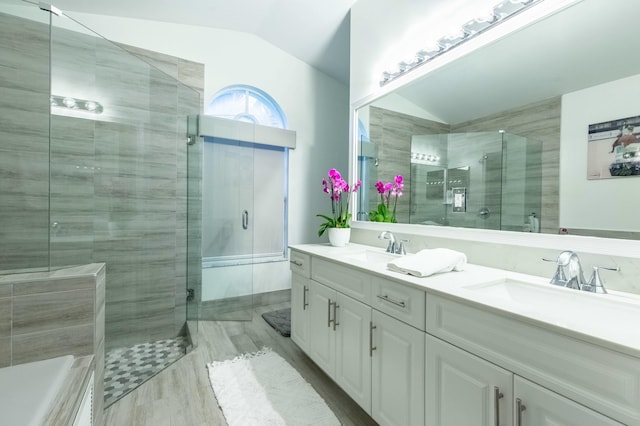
(541, 407)
(300, 310)
(462, 389)
(322, 339)
(397, 372)
(353, 362)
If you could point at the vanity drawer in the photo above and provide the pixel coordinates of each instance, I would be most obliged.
(399, 301)
(300, 263)
(344, 279)
(602, 379)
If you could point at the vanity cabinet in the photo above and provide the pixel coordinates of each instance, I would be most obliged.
(322, 346)
(463, 389)
(559, 379)
(537, 406)
(421, 356)
(339, 326)
(397, 371)
(299, 310)
(300, 264)
(377, 359)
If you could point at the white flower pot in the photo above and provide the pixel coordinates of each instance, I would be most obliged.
(339, 237)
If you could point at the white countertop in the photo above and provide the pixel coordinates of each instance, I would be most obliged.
(609, 320)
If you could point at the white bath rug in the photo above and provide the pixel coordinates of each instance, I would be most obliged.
(263, 389)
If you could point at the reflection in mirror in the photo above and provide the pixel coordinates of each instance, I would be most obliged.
(546, 82)
(494, 176)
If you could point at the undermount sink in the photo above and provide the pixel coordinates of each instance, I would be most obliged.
(583, 311)
(373, 257)
(522, 292)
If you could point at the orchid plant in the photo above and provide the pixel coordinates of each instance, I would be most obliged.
(336, 187)
(387, 191)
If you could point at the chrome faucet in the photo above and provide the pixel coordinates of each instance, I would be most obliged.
(575, 279)
(386, 235)
(569, 274)
(394, 246)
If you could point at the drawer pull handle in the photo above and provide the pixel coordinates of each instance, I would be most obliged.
(520, 407)
(371, 347)
(390, 300)
(305, 303)
(296, 262)
(497, 396)
(329, 320)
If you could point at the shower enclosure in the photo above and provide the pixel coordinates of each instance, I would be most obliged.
(93, 160)
(489, 180)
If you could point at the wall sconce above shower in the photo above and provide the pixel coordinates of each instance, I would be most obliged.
(77, 104)
(421, 157)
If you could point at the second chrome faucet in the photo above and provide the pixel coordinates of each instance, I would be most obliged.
(394, 246)
(569, 273)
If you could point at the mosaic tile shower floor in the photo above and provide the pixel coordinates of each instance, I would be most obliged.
(128, 368)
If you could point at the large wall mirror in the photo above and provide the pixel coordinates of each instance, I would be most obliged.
(499, 138)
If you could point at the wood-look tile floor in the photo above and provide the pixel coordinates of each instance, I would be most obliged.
(181, 395)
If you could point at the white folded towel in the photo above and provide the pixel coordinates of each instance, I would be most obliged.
(429, 261)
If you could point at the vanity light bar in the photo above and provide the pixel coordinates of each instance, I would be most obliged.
(77, 104)
(500, 12)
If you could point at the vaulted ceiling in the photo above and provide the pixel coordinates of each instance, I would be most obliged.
(316, 32)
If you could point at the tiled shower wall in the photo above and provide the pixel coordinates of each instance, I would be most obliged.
(539, 121)
(24, 144)
(391, 132)
(118, 180)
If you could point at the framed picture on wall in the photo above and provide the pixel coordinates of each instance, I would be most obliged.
(614, 148)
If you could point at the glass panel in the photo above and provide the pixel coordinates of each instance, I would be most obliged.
(270, 188)
(368, 168)
(194, 228)
(118, 190)
(522, 184)
(24, 137)
(227, 229)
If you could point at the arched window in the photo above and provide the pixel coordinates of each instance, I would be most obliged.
(247, 103)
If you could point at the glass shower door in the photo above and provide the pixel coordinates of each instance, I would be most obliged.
(227, 230)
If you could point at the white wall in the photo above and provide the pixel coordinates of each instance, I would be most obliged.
(585, 202)
(316, 105)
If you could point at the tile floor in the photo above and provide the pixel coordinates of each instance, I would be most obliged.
(128, 368)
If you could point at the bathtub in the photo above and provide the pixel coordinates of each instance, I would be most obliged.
(28, 390)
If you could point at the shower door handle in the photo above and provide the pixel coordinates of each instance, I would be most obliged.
(245, 219)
